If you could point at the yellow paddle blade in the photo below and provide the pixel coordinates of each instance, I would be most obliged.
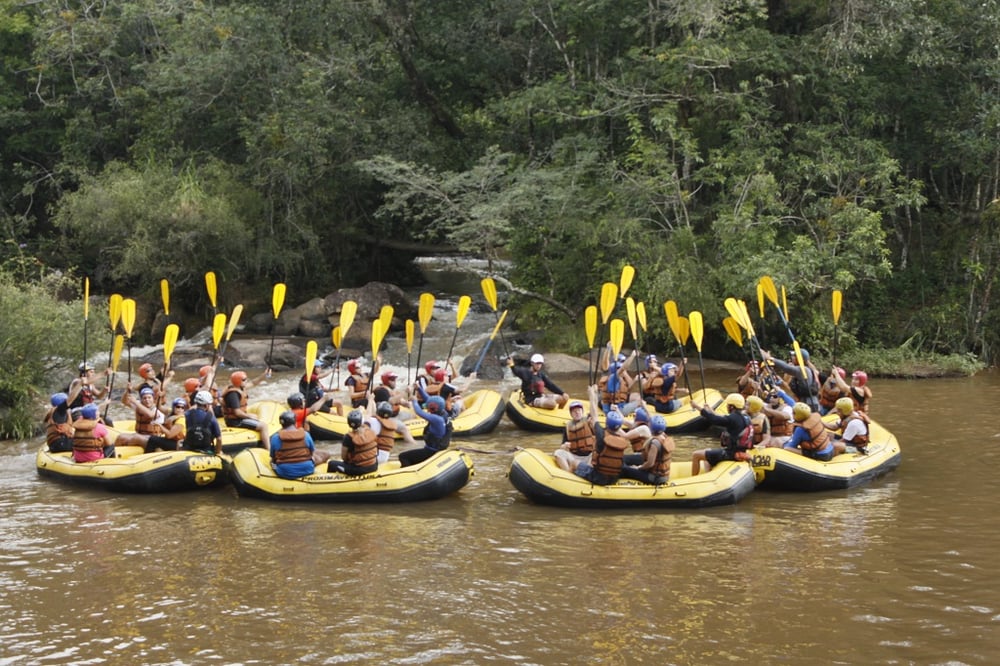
(385, 317)
(210, 287)
(733, 329)
(86, 298)
(798, 357)
(311, 352)
(165, 295)
(590, 324)
(837, 301)
(170, 334)
(733, 308)
(697, 327)
(609, 296)
(617, 335)
(335, 337)
(218, 328)
(128, 316)
(115, 310)
(278, 298)
(745, 318)
(377, 334)
(409, 336)
(234, 320)
(670, 308)
(640, 311)
(347, 313)
(760, 299)
(628, 274)
(489, 292)
(425, 311)
(499, 324)
(463, 309)
(116, 352)
(784, 301)
(684, 326)
(630, 312)
(767, 286)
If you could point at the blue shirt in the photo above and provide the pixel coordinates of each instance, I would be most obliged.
(293, 470)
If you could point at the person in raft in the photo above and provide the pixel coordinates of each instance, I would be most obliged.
(91, 438)
(202, 428)
(810, 436)
(437, 432)
(234, 405)
(292, 449)
(657, 452)
(59, 424)
(534, 383)
(579, 435)
(736, 438)
(605, 464)
(359, 448)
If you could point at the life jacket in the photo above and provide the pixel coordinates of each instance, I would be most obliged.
(803, 389)
(146, 425)
(745, 439)
(608, 461)
(293, 446)
(433, 388)
(56, 432)
(748, 387)
(818, 436)
(365, 453)
(168, 424)
(441, 443)
(781, 425)
(616, 397)
(829, 393)
(387, 435)
(859, 441)
(761, 426)
(360, 386)
(664, 397)
(83, 436)
(581, 437)
(84, 397)
(227, 411)
(662, 465)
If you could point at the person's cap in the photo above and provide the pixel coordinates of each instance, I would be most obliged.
(575, 404)
(89, 411)
(203, 398)
(537, 358)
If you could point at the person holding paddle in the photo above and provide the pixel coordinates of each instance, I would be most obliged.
(234, 404)
(737, 433)
(665, 388)
(292, 449)
(58, 424)
(202, 432)
(656, 454)
(805, 389)
(91, 439)
(82, 390)
(534, 383)
(580, 434)
(437, 432)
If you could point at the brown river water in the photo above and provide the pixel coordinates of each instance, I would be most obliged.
(897, 572)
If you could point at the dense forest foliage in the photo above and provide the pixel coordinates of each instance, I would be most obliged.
(831, 144)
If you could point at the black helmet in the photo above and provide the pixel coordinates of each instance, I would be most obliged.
(286, 419)
(296, 400)
(355, 418)
(384, 409)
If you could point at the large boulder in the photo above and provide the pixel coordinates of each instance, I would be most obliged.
(370, 299)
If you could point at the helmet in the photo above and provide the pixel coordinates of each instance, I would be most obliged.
(286, 419)
(667, 367)
(237, 378)
(296, 400)
(844, 406)
(753, 367)
(805, 354)
(614, 420)
(861, 376)
(641, 415)
(736, 400)
(204, 370)
(84, 367)
(58, 399)
(180, 402)
(576, 403)
(651, 361)
(384, 409)
(440, 375)
(203, 398)
(621, 357)
(537, 358)
(389, 376)
(353, 366)
(89, 411)
(430, 366)
(146, 370)
(436, 404)
(801, 411)
(191, 385)
(355, 418)
(144, 391)
(658, 425)
(842, 373)
(754, 404)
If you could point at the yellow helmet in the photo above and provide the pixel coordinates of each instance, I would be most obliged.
(844, 406)
(736, 400)
(754, 404)
(801, 411)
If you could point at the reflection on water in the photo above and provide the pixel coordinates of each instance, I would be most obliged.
(901, 571)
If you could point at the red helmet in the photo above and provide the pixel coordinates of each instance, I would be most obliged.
(440, 375)
(861, 376)
(237, 378)
(430, 367)
(191, 384)
(146, 370)
(204, 370)
(352, 366)
(842, 373)
(389, 376)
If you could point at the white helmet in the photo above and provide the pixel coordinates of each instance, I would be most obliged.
(203, 398)
(537, 358)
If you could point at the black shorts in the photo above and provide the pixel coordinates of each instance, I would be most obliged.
(714, 456)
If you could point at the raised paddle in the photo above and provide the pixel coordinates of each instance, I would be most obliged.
(211, 288)
(625, 281)
(234, 320)
(378, 332)
(408, 327)
(385, 316)
(734, 331)
(837, 302)
(170, 334)
(86, 314)
(218, 330)
(617, 336)
(761, 300)
(489, 288)
(116, 353)
(424, 313)
(114, 316)
(486, 347)
(609, 296)
(128, 322)
(311, 351)
(277, 302)
(590, 327)
(335, 337)
(684, 326)
(348, 311)
(697, 331)
(463, 309)
(165, 296)
(632, 314)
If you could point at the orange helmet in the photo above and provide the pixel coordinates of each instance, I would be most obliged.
(146, 370)
(204, 370)
(237, 378)
(191, 384)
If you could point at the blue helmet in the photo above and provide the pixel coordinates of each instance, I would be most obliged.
(658, 425)
(58, 399)
(614, 420)
(437, 403)
(642, 415)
